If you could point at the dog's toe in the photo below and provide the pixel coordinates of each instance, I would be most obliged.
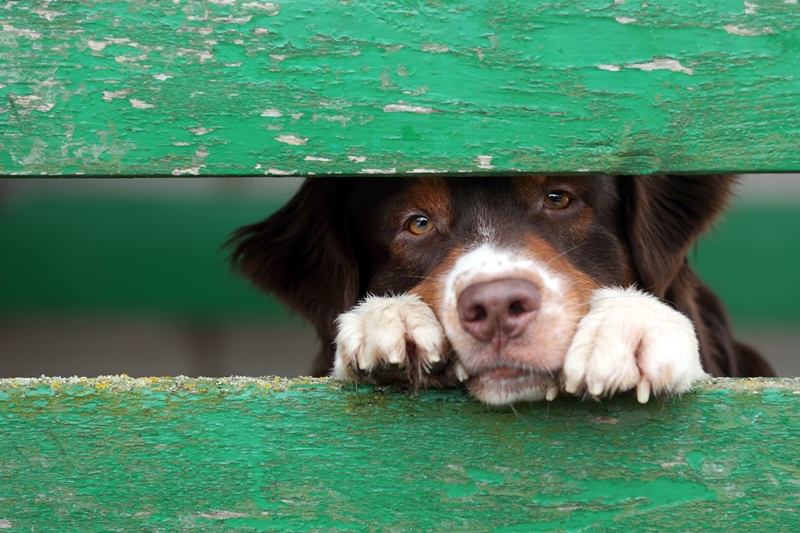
(383, 336)
(629, 340)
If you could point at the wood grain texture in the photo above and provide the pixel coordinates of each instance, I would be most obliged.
(117, 454)
(105, 87)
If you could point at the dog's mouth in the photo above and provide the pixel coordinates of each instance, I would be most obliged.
(505, 384)
(505, 373)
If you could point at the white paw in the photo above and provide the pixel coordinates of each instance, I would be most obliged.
(632, 339)
(386, 334)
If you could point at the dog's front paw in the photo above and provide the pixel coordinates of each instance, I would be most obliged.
(632, 339)
(394, 339)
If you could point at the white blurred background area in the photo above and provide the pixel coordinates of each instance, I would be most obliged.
(127, 276)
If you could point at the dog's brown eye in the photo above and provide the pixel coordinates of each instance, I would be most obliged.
(557, 200)
(420, 225)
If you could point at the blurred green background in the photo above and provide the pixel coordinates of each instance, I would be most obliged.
(127, 276)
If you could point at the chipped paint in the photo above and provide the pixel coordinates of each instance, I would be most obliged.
(625, 20)
(662, 64)
(270, 8)
(97, 46)
(233, 20)
(612, 68)
(200, 130)
(404, 108)
(292, 139)
(130, 59)
(221, 515)
(378, 171)
(748, 32)
(434, 48)
(193, 171)
(140, 104)
(357, 158)
(485, 162)
(271, 113)
(341, 119)
(21, 32)
(32, 102)
(318, 159)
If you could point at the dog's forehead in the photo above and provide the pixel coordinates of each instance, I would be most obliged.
(461, 192)
(470, 205)
(433, 194)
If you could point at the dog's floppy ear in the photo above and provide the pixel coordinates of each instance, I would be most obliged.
(664, 217)
(302, 254)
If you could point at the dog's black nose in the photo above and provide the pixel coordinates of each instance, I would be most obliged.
(498, 310)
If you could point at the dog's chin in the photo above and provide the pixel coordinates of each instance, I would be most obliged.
(505, 385)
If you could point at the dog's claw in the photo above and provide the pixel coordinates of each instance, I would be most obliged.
(461, 374)
(596, 389)
(384, 335)
(395, 357)
(571, 387)
(552, 393)
(643, 390)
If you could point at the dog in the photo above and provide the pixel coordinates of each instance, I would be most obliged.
(519, 288)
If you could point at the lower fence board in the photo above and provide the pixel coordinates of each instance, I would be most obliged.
(170, 454)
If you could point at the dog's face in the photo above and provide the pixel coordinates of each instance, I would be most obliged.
(408, 230)
(508, 265)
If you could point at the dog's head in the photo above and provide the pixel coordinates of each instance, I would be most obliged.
(507, 264)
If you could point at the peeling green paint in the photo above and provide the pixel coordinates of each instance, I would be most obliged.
(239, 454)
(106, 87)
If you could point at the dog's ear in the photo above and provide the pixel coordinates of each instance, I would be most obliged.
(664, 216)
(302, 254)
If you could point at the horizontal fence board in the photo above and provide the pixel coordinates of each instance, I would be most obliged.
(308, 455)
(127, 88)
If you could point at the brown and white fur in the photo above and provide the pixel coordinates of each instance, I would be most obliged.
(521, 287)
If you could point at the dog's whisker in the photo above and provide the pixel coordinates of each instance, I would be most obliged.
(437, 278)
(562, 254)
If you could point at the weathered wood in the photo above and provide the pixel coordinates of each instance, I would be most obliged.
(118, 454)
(104, 87)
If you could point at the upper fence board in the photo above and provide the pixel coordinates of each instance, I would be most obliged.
(103, 87)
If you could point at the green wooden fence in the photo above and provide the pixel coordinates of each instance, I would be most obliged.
(362, 87)
(120, 454)
(219, 87)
